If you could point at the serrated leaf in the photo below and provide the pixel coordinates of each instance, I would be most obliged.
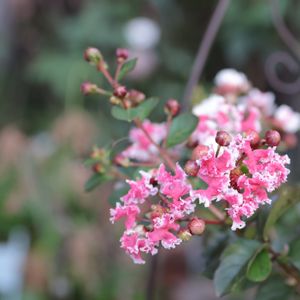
(233, 261)
(126, 68)
(94, 181)
(274, 289)
(181, 128)
(260, 266)
(141, 112)
(288, 197)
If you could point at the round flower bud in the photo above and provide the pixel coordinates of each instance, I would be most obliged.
(223, 138)
(184, 234)
(122, 54)
(136, 96)
(254, 138)
(120, 91)
(199, 152)
(191, 168)
(92, 55)
(172, 107)
(191, 143)
(98, 168)
(196, 226)
(272, 138)
(88, 88)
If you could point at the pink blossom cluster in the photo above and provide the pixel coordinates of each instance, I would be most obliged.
(162, 220)
(237, 107)
(241, 175)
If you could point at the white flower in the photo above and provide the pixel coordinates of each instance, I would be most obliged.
(232, 78)
(142, 33)
(289, 119)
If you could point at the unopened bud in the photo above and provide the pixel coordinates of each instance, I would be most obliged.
(93, 56)
(115, 100)
(172, 107)
(234, 176)
(191, 168)
(88, 88)
(272, 138)
(136, 97)
(199, 152)
(254, 138)
(196, 226)
(184, 234)
(121, 161)
(191, 143)
(122, 54)
(120, 91)
(223, 138)
(98, 168)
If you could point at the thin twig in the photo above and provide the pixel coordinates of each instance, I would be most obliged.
(203, 50)
(151, 283)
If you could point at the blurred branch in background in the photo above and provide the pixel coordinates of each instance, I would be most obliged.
(203, 50)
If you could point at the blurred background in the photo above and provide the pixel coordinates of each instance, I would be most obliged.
(56, 240)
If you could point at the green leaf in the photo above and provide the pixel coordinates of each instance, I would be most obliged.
(94, 181)
(181, 128)
(141, 112)
(260, 266)
(288, 197)
(294, 254)
(233, 262)
(126, 68)
(274, 289)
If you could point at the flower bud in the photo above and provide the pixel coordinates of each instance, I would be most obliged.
(115, 100)
(191, 168)
(254, 138)
(98, 168)
(172, 107)
(121, 161)
(88, 88)
(136, 97)
(93, 56)
(223, 138)
(191, 143)
(184, 234)
(196, 226)
(120, 91)
(234, 176)
(122, 54)
(199, 152)
(272, 138)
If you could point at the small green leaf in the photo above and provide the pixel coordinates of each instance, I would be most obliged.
(274, 289)
(142, 111)
(260, 266)
(181, 128)
(294, 253)
(288, 197)
(94, 181)
(126, 68)
(233, 261)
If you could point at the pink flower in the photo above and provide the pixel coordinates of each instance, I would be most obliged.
(142, 148)
(128, 211)
(287, 119)
(244, 191)
(173, 186)
(161, 232)
(139, 190)
(134, 243)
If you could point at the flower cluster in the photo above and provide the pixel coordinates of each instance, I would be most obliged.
(237, 108)
(228, 143)
(241, 175)
(166, 202)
